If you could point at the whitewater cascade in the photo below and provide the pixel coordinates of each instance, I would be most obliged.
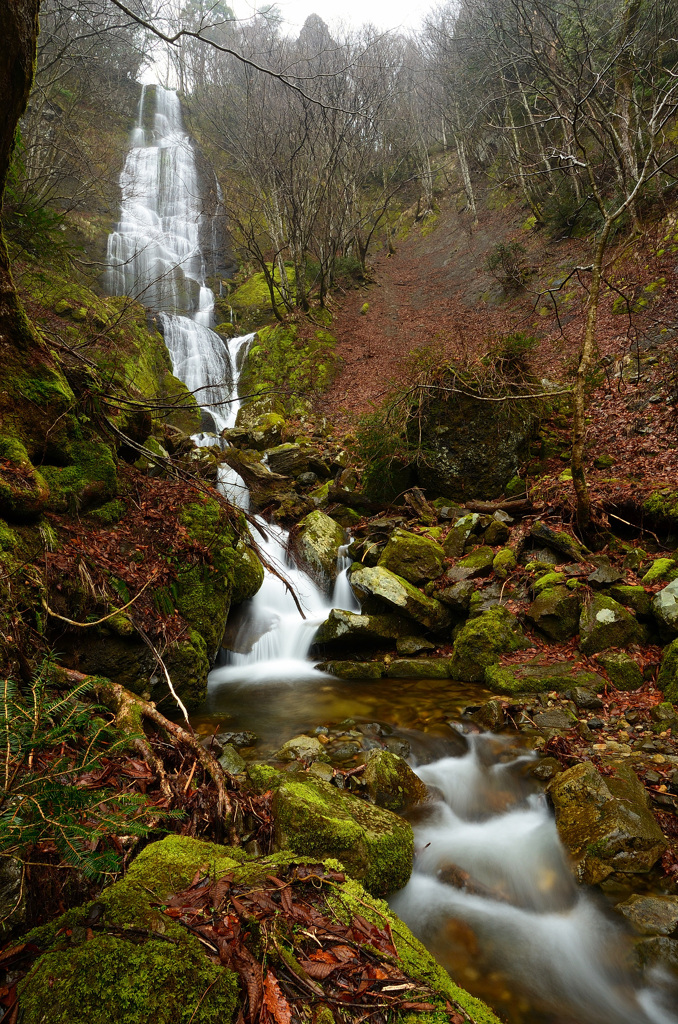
(155, 256)
(489, 857)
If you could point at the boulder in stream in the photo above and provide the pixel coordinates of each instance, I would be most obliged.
(481, 642)
(540, 676)
(414, 557)
(346, 627)
(605, 823)
(391, 783)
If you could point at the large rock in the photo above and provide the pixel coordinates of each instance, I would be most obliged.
(318, 544)
(288, 459)
(415, 558)
(605, 823)
(353, 669)
(317, 820)
(665, 609)
(605, 623)
(473, 448)
(562, 543)
(482, 641)
(651, 915)
(302, 748)
(343, 627)
(391, 783)
(419, 668)
(667, 680)
(401, 596)
(455, 541)
(457, 596)
(555, 613)
(622, 670)
(540, 676)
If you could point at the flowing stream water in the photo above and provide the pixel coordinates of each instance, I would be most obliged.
(491, 892)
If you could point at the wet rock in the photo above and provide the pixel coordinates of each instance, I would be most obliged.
(302, 748)
(667, 680)
(343, 751)
(353, 669)
(391, 783)
(651, 915)
(481, 642)
(636, 598)
(454, 543)
(554, 720)
(489, 715)
(457, 596)
(397, 746)
(622, 670)
(409, 645)
(605, 824)
(605, 623)
(657, 952)
(346, 627)
(321, 770)
(665, 609)
(314, 819)
(401, 596)
(560, 542)
(241, 739)
(555, 613)
(540, 676)
(413, 557)
(421, 668)
(547, 769)
(318, 544)
(231, 761)
(308, 479)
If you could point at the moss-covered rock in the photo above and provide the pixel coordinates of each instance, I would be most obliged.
(555, 613)
(665, 610)
(318, 544)
(476, 564)
(89, 477)
(314, 819)
(353, 669)
(622, 670)
(661, 570)
(299, 366)
(454, 543)
(391, 783)
(548, 579)
(24, 492)
(415, 558)
(605, 823)
(539, 676)
(504, 563)
(667, 680)
(118, 979)
(605, 623)
(401, 596)
(562, 543)
(419, 668)
(636, 598)
(482, 641)
(344, 628)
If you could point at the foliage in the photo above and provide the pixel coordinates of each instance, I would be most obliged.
(506, 262)
(54, 745)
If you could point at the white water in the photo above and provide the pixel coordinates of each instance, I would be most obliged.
(155, 255)
(553, 940)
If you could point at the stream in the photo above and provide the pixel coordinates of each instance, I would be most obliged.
(491, 893)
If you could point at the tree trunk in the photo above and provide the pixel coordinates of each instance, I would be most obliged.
(586, 360)
(19, 33)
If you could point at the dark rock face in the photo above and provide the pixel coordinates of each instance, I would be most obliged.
(473, 448)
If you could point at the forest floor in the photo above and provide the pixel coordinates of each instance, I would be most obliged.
(434, 296)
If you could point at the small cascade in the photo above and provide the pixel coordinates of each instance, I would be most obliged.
(342, 595)
(489, 859)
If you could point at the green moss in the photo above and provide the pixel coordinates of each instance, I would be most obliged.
(481, 642)
(504, 563)
(663, 505)
(8, 538)
(110, 513)
(661, 570)
(254, 294)
(89, 478)
(284, 360)
(667, 680)
(549, 579)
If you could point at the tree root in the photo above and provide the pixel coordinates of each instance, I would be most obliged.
(130, 712)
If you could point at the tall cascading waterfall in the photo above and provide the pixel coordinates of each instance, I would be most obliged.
(154, 255)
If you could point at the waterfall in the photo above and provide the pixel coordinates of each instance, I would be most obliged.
(154, 255)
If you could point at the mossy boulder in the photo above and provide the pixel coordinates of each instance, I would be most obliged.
(353, 669)
(288, 459)
(548, 579)
(399, 595)
(314, 819)
(606, 623)
(318, 543)
(665, 610)
(481, 642)
(496, 533)
(504, 563)
(348, 627)
(24, 492)
(391, 783)
(539, 676)
(661, 570)
(415, 558)
(667, 680)
(89, 477)
(555, 613)
(605, 823)
(624, 672)
(112, 978)
(457, 596)
(636, 598)
(456, 539)
(562, 543)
